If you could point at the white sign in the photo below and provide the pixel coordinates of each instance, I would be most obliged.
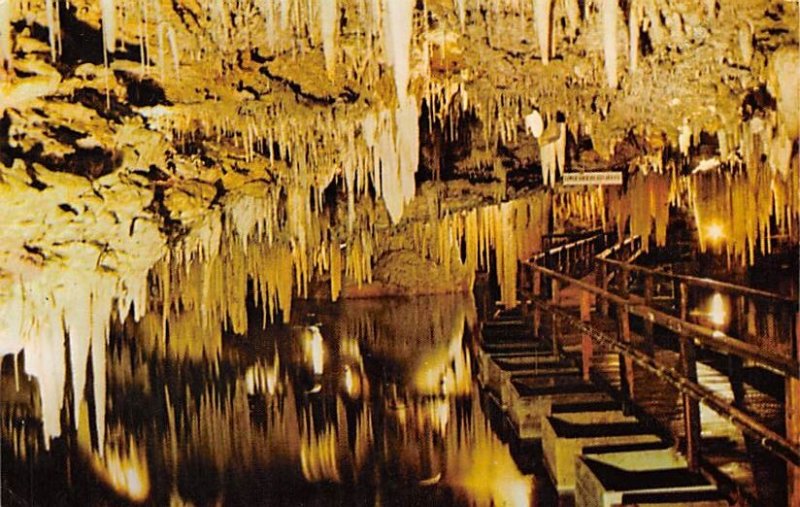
(593, 178)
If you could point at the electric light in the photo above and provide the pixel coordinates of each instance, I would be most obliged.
(714, 232)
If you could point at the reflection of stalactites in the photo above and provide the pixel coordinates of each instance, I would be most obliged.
(314, 349)
(364, 437)
(21, 398)
(318, 452)
(124, 468)
(479, 465)
(263, 377)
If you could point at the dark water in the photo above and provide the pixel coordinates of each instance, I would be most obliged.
(375, 405)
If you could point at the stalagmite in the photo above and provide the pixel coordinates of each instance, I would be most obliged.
(608, 11)
(542, 16)
(328, 24)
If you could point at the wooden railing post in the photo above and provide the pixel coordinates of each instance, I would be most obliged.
(604, 285)
(537, 292)
(691, 408)
(624, 330)
(586, 339)
(735, 367)
(648, 323)
(792, 411)
(523, 289)
(555, 327)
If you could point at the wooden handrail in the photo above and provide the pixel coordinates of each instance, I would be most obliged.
(605, 254)
(533, 276)
(768, 438)
(706, 283)
(704, 337)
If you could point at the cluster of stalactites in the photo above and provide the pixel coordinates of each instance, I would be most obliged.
(580, 209)
(512, 229)
(392, 137)
(742, 211)
(547, 15)
(74, 313)
(553, 152)
(643, 207)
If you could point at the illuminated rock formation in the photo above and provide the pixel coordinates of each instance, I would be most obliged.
(194, 144)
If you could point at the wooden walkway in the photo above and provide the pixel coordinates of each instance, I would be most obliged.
(612, 365)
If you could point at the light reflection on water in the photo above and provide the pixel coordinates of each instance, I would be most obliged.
(367, 402)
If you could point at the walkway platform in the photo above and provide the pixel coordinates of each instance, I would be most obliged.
(565, 435)
(640, 475)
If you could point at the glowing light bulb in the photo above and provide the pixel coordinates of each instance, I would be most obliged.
(714, 232)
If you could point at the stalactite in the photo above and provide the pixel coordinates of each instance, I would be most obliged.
(328, 23)
(783, 82)
(634, 22)
(336, 270)
(461, 9)
(6, 53)
(53, 31)
(552, 151)
(734, 211)
(542, 16)
(608, 11)
(109, 22)
(745, 38)
(397, 29)
(573, 13)
(534, 124)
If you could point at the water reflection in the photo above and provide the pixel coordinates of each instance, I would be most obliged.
(363, 402)
(714, 311)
